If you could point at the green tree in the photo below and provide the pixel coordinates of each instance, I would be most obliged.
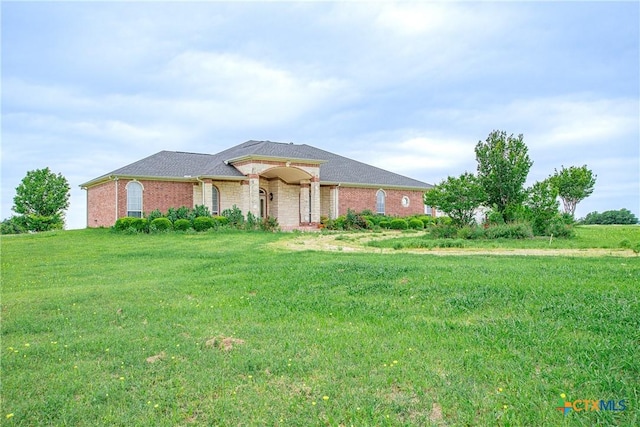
(457, 197)
(574, 184)
(622, 216)
(503, 166)
(41, 198)
(542, 204)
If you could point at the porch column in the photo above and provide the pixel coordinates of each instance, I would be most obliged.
(333, 202)
(315, 200)
(206, 194)
(304, 201)
(254, 194)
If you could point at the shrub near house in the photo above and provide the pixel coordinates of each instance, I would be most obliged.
(198, 219)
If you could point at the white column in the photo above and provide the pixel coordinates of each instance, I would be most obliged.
(315, 200)
(254, 195)
(304, 201)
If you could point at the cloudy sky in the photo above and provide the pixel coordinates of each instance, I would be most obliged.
(409, 87)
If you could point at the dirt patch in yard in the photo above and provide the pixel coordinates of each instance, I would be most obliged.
(358, 243)
(223, 343)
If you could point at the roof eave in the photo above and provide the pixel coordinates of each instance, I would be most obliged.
(384, 186)
(185, 178)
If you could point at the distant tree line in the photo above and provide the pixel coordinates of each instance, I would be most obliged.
(622, 216)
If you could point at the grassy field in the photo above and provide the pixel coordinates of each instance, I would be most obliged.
(223, 329)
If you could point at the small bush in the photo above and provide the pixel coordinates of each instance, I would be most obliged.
(416, 224)
(203, 223)
(154, 214)
(469, 232)
(141, 225)
(398, 224)
(450, 243)
(354, 221)
(376, 219)
(558, 228)
(269, 224)
(234, 216)
(443, 220)
(172, 214)
(183, 212)
(384, 224)
(371, 219)
(443, 231)
(567, 218)
(519, 230)
(220, 220)
(625, 243)
(13, 225)
(328, 224)
(338, 223)
(252, 222)
(428, 221)
(494, 218)
(161, 224)
(182, 224)
(37, 223)
(200, 210)
(124, 223)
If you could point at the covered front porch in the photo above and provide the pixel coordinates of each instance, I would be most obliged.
(285, 189)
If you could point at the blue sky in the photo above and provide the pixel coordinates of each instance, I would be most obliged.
(409, 87)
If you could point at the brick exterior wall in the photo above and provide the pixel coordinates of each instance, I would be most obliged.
(101, 205)
(101, 199)
(359, 199)
(158, 195)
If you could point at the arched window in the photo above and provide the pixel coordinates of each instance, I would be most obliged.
(380, 201)
(215, 201)
(134, 199)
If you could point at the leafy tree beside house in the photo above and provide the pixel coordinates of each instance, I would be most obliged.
(573, 184)
(457, 197)
(542, 206)
(503, 166)
(41, 200)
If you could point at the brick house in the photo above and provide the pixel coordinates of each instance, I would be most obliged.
(297, 184)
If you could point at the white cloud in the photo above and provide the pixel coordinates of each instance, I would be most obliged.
(410, 19)
(423, 153)
(587, 122)
(232, 89)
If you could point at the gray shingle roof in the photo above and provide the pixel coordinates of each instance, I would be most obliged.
(334, 168)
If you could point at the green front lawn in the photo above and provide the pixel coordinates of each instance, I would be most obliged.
(106, 329)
